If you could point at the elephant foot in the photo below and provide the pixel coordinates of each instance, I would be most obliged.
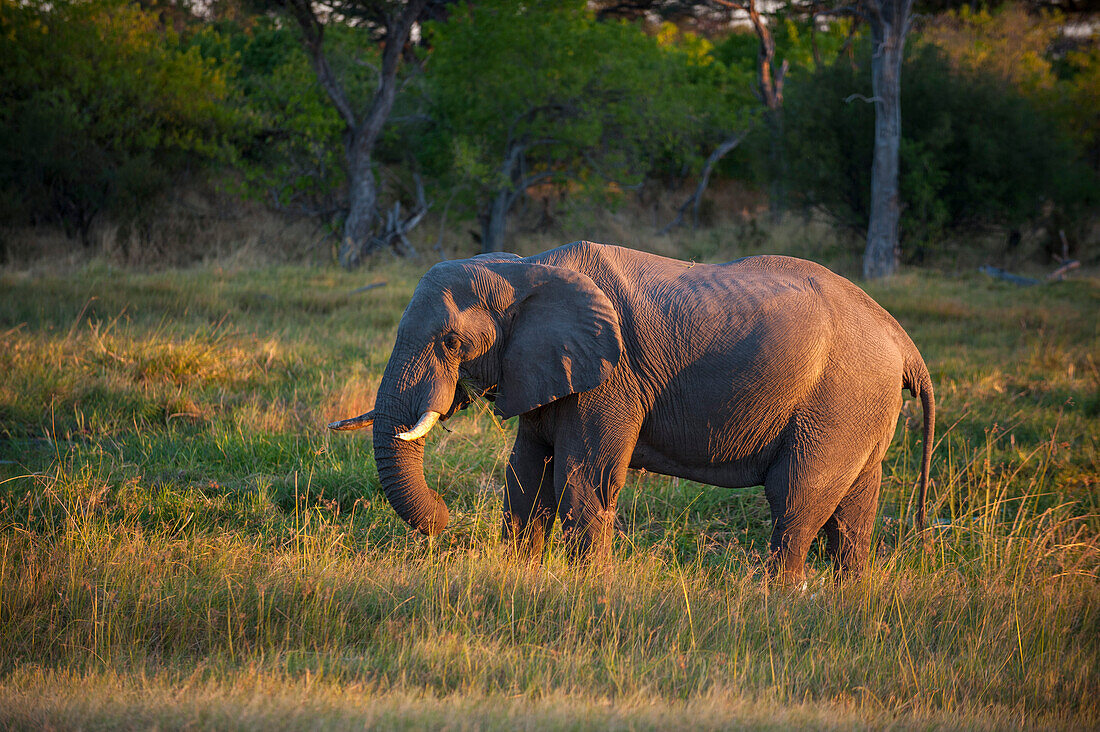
(525, 548)
(590, 545)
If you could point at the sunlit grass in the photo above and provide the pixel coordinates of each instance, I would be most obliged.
(181, 542)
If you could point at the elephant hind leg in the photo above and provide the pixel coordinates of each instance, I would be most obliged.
(802, 499)
(848, 530)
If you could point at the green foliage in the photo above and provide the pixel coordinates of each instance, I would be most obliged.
(1010, 43)
(1079, 107)
(798, 45)
(106, 104)
(578, 99)
(1029, 52)
(101, 109)
(294, 157)
(716, 99)
(975, 152)
(796, 42)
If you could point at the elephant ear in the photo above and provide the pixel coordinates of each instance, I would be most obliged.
(564, 337)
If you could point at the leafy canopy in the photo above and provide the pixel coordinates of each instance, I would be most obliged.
(586, 100)
(101, 108)
(975, 151)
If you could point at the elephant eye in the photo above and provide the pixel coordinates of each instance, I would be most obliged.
(452, 342)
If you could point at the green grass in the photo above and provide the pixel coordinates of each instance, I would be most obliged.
(183, 544)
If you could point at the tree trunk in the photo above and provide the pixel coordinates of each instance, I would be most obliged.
(770, 91)
(777, 159)
(362, 135)
(362, 209)
(889, 25)
(493, 222)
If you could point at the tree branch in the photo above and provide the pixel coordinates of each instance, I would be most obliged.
(313, 36)
(397, 35)
(695, 198)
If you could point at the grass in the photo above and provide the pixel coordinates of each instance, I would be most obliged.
(183, 544)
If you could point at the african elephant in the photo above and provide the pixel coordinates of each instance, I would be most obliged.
(765, 370)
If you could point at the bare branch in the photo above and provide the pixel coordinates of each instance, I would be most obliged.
(397, 35)
(734, 5)
(770, 84)
(313, 36)
(536, 178)
(396, 227)
(695, 198)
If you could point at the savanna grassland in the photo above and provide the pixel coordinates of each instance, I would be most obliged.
(183, 544)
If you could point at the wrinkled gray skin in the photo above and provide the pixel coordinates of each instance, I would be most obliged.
(767, 370)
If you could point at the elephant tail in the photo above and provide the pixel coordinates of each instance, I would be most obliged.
(919, 384)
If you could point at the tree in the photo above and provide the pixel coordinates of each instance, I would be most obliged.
(101, 109)
(769, 88)
(540, 92)
(292, 157)
(724, 114)
(975, 153)
(890, 22)
(363, 126)
(1030, 52)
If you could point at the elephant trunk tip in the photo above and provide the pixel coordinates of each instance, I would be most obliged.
(437, 522)
(429, 514)
(354, 423)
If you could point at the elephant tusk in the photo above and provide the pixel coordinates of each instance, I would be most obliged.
(423, 427)
(355, 423)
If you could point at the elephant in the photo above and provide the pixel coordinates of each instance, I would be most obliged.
(767, 370)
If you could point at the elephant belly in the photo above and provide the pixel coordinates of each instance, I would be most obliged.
(721, 435)
(728, 473)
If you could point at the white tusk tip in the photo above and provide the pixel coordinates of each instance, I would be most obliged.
(422, 427)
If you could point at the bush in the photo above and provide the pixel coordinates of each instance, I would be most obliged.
(544, 92)
(975, 151)
(101, 108)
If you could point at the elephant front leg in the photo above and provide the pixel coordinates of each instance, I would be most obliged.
(588, 484)
(529, 499)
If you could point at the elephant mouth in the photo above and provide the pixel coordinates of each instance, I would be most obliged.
(465, 394)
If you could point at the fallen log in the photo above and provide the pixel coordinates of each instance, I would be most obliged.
(1060, 273)
(1000, 274)
(1056, 276)
(364, 288)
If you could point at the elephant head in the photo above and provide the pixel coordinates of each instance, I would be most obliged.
(521, 333)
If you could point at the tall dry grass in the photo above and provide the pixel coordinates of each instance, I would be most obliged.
(182, 544)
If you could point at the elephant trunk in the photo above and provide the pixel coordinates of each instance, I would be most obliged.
(401, 471)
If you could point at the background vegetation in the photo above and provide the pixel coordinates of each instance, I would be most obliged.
(110, 110)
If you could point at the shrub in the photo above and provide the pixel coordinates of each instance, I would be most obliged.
(101, 108)
(975, 151)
